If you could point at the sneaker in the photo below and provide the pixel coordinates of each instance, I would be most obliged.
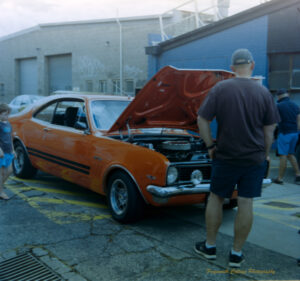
(277, 181)
(208, 253)
(235, 260)
(4, 196)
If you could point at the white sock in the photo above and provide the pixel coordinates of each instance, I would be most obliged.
(209, 246)
(236, 253)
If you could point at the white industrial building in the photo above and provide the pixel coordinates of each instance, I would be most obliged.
(94, 56)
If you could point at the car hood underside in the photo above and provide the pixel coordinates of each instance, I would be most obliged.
(170, 99)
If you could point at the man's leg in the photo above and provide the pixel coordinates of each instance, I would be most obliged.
(294, 163)
(243, 222)
(282, 166)
(3, 195)
(7, 171)
(213, 217)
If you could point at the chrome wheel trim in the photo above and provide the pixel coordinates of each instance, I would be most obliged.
(119, 196)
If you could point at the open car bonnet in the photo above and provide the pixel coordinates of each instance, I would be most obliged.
(171, 99)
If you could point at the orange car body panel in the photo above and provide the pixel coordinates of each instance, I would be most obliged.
(88, 159)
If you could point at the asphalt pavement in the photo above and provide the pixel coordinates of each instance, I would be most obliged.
(69, 231)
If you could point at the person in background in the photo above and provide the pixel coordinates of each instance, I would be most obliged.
(6, 148)
(287, 138)
(246, 115)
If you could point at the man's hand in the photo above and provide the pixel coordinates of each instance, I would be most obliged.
(1, 153)
(212, 153)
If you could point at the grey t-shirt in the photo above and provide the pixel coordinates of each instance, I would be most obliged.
(242, 108)
(5, 137)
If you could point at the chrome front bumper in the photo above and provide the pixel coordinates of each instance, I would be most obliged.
(162, 194)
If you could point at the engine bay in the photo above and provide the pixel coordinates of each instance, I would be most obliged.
(175, 148)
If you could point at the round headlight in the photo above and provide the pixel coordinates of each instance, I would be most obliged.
(172, 175)
(196, 177)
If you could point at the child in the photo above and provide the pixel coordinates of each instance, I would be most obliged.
(6, 148)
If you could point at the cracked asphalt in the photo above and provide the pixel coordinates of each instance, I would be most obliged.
(70, 230)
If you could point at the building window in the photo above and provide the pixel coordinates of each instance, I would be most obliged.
(116, 86)
(89, 85)
(284, 71)
(129, 87)
(1, 89)
(102, 86)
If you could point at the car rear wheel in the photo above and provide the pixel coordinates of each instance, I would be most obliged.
(21, 164)
(125, 202)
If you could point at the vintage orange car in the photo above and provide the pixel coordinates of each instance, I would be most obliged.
(145, 151)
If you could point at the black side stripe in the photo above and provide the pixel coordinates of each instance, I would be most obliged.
(58, 160)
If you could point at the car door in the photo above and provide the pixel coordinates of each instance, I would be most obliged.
(65, 143)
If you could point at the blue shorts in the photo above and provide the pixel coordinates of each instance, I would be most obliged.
(6, 160)
(286, 144)
(248, 179)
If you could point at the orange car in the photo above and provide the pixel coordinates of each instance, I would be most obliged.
(137, 152)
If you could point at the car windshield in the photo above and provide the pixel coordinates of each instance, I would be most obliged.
(106, 112)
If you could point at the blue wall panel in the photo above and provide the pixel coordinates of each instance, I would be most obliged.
(214, 51)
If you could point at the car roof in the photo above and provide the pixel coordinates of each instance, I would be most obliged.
(88, 97)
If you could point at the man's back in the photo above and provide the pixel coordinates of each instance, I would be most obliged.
(288, 111)
(242, 109)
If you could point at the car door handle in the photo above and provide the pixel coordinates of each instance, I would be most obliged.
(46, 129)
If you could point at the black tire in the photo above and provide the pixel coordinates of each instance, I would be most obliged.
(232, 204)
(124, 200)
(21, 164)
(226, 206)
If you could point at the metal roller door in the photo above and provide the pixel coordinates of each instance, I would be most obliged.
(28, 77)
(60, 72)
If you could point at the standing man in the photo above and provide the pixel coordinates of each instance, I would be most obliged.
(246, 115)
(287, 134)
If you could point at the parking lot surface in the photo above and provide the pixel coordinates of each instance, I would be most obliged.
(69, 230)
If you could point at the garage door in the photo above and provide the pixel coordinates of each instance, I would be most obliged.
(28, 77)
(60, 72)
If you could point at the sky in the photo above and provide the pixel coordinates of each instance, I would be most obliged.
(17, 15)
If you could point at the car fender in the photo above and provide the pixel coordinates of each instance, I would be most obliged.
(143, 173)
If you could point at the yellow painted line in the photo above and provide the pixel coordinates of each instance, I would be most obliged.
(51, 190)
(273, 218)
(293, 201)
(64, 201)
(70, 217)
(52, 215)
(29, 180)
(277, 208)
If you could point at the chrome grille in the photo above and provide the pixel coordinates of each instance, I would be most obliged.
(26, 267)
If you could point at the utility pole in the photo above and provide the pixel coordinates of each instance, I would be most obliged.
(121, 54)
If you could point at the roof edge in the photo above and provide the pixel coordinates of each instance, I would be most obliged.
(242, 17)
(83, 22)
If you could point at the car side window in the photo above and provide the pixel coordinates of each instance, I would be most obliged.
(46, 114)
(71, 114)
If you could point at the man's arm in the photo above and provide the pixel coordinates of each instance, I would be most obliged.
(268, 133)
(205, 133)
(204, 130)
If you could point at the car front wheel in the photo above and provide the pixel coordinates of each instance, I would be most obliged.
(21, 164)
(124, 200)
